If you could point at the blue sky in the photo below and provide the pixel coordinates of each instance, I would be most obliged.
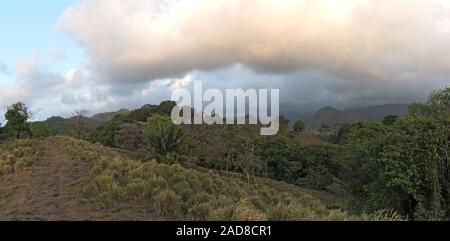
(28, 28)
(112, 54)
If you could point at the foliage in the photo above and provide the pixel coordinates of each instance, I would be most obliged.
(299, 126)
(17, 116)
(163, 135)
(390, 120)
(40, 130)
(105, 134)
(404, 166)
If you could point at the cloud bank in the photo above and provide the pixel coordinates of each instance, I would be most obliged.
(370, 40)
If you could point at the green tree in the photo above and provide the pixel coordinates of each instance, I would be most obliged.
(405, 166)
(17, 116)
(2, 132)
(299, 126)
(390, 120)
(164, 136)
(165, 108)
(105, 134)
(40, 130)
(436, 107)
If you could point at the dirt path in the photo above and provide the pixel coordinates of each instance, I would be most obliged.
(49, 191)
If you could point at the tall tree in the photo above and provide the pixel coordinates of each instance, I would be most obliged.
(17, 116)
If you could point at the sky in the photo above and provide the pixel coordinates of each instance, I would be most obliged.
(102, 55)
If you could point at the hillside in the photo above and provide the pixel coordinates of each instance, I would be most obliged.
(108, 116)
(60, 178)
(332, 116)
(60, 125)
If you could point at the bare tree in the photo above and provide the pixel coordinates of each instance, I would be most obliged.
(79, 121)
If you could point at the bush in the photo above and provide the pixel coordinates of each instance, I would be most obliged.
(40, 130)
(200, 211)
(244, 210)
(136, 189)
(289, 212)
(163, 135)
(104, 183)
(299, 126)
(319, 178)
(168, 203)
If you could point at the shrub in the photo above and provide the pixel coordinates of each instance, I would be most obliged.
(104, 183)
(163, 135)
(136, 189)
(40, 130)
(20, 165)
(120, 193)
(224, 213)
(290, 212)
(244, 210)
(168, 203)
(319, 178)
(155, 185)
(183, 189)
(299, 126)
(200, 211)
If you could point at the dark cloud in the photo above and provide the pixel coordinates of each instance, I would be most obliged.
(308, 91)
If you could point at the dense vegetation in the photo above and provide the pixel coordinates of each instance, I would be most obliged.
(216, 172)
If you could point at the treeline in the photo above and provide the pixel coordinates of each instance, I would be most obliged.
(401, 164)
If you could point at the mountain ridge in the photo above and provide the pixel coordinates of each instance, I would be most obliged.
(332, 116)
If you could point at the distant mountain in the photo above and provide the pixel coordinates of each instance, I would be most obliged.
(56, 124)
(332, 116)
(59, 125)
(109, 116)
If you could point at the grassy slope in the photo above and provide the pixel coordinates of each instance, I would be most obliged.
(60, 178)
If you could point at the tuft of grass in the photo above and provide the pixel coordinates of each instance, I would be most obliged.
(17, 155)
(244, 210)
(168, 203)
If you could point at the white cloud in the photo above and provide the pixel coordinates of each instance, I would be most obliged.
(56, 55)
(49, 93)
(175, 84)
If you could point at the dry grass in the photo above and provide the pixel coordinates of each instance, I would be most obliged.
(16, 156)
(115, 182)
(178, 193)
